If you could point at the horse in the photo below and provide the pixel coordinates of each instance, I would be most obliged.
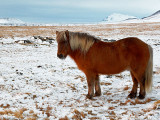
(95, 57)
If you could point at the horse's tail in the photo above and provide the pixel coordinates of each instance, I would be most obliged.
(149, 71)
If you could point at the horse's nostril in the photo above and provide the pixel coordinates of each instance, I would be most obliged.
(60, 55)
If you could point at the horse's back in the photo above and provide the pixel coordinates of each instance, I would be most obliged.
(134, 47)
(115, 57)
(132, 41)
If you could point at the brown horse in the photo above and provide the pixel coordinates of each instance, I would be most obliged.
(95, 57)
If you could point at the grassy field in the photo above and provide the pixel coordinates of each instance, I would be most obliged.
(35, 84)
(106, 30)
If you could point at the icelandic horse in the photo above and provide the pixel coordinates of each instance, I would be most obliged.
(95, 57)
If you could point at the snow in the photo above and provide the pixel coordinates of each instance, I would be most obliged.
(154, 18)
(34, 83)
(121, 18)
(116, 17)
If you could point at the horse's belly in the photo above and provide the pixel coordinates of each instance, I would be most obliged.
(110, 72)
(107, 69)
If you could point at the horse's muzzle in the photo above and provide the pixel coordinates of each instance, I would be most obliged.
(61, 56)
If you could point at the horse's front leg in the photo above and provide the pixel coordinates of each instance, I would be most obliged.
(91, 82)
(97, 86)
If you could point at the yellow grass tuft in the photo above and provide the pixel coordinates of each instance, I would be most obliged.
(156, 104)
(19, 113)
(136, 101)
(126, 88)
(65, 118)
(78, 115)
(31, 119)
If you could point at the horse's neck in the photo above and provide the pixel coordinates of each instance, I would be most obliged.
(77, 56)
(74, 54)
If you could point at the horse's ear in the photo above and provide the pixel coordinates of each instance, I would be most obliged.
(67, 34)
(57, 32)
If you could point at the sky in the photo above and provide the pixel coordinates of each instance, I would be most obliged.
(74, 11)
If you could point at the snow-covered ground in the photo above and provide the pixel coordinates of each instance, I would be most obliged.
(35, 84)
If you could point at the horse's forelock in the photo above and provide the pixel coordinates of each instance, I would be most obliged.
(61, 36)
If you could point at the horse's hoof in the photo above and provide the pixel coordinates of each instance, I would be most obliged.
(141, 96)
(97, 94)
(89, 96)
(132, 95)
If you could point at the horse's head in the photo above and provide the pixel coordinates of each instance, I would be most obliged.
(63, 44)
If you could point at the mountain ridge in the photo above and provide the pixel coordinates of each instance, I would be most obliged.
(155, 17)
(10, 21)
(113, 18)
(116, 17)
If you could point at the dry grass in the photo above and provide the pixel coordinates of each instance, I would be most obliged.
(156, 105)
(80, 77)
(5, 106)
(126, 87)
(136, 101)
(77, 115)
(65, 118)
(100, 30)
(105, 83)
(18, 114)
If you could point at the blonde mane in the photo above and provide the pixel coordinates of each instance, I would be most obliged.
(82, 41)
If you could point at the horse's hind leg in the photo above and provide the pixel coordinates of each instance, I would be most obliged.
(133, 93)
(141, 80)
(142, 92)
(97, 86)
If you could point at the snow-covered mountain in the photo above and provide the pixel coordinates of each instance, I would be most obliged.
(115, 17)
(155, 17)
(11, 21)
